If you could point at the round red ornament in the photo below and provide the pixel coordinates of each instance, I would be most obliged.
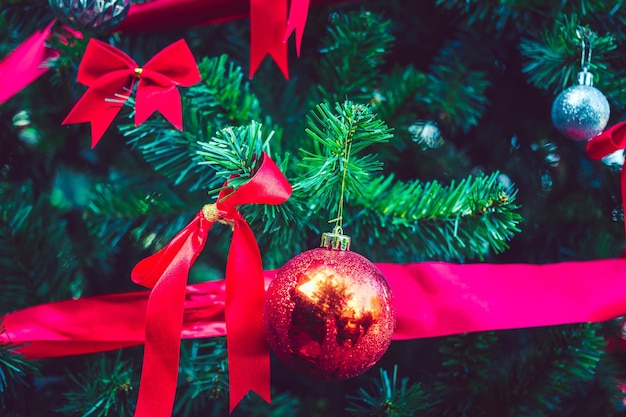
(329, 312)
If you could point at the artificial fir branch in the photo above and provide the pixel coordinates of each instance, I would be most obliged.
(432, 221)
(107, 388)
(203, 385)
(352, 53)
(138, 210)
(455, 93)
(221, 99)
(387, 398)
(396, 92)
(37, 257)
(234, 153)
(486, 373)
(554, 60)
(203, 377)
(334, 161)
(576, 352)
(14, 370)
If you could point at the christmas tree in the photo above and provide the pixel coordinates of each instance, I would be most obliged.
(426, 130)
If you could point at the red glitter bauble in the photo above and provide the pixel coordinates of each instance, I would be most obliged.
(329, 313)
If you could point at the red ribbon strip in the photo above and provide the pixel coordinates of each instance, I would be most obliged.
(431, 299)
(611, 140)
(166, 273)
(110, 75)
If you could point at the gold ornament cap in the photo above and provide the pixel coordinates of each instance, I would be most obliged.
(335, 240)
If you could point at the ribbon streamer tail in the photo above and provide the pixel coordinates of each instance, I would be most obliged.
(248, 351)
(101, 103)
(151, 98)
(167, 271)
(267, 29)
(298, 14)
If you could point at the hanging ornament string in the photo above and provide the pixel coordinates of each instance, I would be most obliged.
(343, 161)
(581, 112)
(585, 36)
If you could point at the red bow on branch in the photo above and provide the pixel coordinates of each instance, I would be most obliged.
(611, 140)
(166, 273)
(110, 75)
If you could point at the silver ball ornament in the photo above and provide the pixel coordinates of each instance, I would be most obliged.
(581, 112)
(91, 16)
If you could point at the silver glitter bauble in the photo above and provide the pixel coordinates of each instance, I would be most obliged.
(91, 16)
(581, 112)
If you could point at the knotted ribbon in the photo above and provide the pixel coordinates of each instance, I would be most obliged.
(110, 75)
(166, 272)
(611, 140)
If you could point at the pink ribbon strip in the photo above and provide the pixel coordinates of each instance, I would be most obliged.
(25, 64)
(431, 298)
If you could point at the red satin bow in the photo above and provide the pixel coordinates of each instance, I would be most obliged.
(110, 75)
(166, 273)
(611, 140)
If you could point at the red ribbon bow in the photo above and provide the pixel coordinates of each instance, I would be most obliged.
(611, 140)
(166, 273)
(110, 75)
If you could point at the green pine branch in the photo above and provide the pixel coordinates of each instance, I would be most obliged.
(14, 373)
(455, 94)
(352, 53)
(284, 404)
(432, 221)
(333, 165)
(572, 364)
(527, 372)
(387, 398)
(108, 387)
(221, 99)
(37, 257)
(396, 94)
(203, 377)
(148, 213)
(554, 59)
(203, 385)
(234, 153)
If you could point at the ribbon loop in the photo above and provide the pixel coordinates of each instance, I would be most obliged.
(110, 75)
(166, 273)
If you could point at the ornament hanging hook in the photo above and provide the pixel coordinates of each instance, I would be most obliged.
(586, 39)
